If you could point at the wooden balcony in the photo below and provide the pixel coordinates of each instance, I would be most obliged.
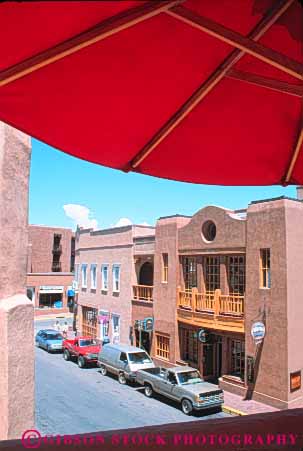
(211, 310)
(143, 293)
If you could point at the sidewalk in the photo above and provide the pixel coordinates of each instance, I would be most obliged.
(235, 405)
(53, 316)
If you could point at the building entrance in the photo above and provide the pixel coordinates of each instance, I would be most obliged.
(212, 358)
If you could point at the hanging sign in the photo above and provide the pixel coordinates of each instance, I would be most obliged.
(148, 324)
(203, 335)
(258, 331)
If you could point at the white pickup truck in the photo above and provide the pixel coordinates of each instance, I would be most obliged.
(182, 384)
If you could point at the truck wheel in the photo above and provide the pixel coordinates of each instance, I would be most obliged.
(148, 390)
(81, 362)
(66, 355)
(122, 378)
(103, 370)
(186, 406)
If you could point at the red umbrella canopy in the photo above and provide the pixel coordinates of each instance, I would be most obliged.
(203, 91)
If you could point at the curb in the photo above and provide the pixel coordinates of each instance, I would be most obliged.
(233, 411)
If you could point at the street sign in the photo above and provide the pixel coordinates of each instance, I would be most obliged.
(258, 331)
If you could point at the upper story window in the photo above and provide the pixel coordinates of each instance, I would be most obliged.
(164, 267)
(76, 276)
(209, 231)
(104, 277)
(265, 279)
(190, 272)
(84, 275)
(93, 276)
(116, 278)
(236, 274)
(212, 273)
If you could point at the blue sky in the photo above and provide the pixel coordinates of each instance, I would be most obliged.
(107, 195)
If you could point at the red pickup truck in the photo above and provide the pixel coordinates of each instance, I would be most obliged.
(85, 349)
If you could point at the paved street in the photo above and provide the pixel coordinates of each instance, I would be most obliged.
(70, 400)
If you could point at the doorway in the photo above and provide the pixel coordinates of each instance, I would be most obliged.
(212, 358)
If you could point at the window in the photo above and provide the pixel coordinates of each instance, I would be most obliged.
(93, 276)
(123, 357)
(162, 346)
(236, 274)
(116, 328)
(189, 345)
(209, 231)
(84, 275)
(265, 281)
(89, 322)
(116, 278)
(237, 358)
(104, 274)
(164, 267)
(212, 273)
(190, 272)
(77, 266)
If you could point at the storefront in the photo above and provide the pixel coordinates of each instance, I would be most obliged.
(213, 352)
(143, 333)
(51, 296)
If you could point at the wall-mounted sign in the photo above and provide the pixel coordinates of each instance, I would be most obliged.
(75, 285)
(295, 381)
(148, 324)
(103, 316)
(48, 289)
(258, 331)
(203, 336)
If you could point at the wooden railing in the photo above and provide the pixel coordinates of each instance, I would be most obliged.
(143, 292)
(205, 301)
(232, 304)
(213, 302)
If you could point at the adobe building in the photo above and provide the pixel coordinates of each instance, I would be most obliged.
(114, 273)
(50, 266)
(227, 290)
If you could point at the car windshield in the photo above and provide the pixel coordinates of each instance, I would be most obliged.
(189, 377)
(54, 337)
(139, 357)
(88, 342)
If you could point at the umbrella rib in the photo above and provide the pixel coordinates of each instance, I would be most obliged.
(100, 31)
(270, 83)
(258, 31)
(239, 41)
(297, 147)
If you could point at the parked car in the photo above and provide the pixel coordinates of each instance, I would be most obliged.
(123, 361)
(182, 384)
(49, 339)
(84, 349)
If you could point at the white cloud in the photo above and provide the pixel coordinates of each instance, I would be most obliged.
(145, 224)
(123, 222)
(81, 216)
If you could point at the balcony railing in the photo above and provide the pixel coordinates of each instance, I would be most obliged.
(143, 292)
(56, 267)
(57, 249)
(211, 302)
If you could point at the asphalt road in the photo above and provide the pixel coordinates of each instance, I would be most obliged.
(70, 400)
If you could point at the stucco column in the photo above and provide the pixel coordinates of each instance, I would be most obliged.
(16, 310)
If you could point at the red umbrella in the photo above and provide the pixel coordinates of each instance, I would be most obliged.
(205, 91)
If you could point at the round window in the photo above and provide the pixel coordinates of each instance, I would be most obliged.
(209, 231)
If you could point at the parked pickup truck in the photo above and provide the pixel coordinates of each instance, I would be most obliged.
(182, 384)
(84, 349)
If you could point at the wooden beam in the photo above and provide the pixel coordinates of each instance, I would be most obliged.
(259, 80)
(239, 41)
(296, 152)
(258, 31)
(102, 30)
